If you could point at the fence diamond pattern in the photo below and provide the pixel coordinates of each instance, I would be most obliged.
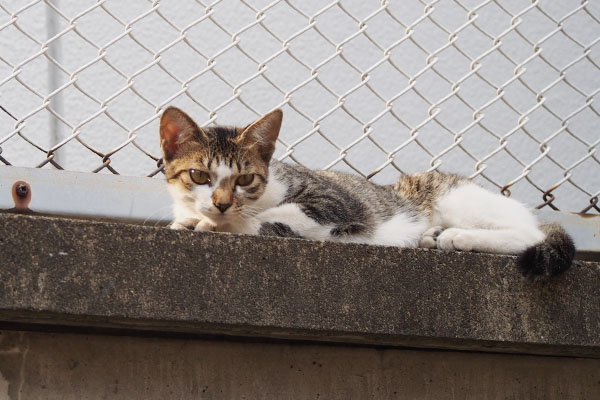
(501, 91)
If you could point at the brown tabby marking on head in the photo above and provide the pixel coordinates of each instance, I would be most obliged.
(225, 153)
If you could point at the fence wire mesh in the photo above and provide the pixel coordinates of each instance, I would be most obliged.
(501, 91)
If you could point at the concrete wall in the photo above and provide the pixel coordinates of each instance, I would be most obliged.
(36, 365)
(92, 310)
(101, 82)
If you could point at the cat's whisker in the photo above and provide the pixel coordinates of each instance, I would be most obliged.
(249, 211)
(160, 210)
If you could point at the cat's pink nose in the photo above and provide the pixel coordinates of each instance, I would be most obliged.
(222, 206)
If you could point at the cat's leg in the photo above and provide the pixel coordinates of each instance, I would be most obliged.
(429, 237)
(504, 241)
(289, 220)
(402, 230)
(475, 219)
(193, 223)
(205, 225)
(277, 229)
(184, 223)
(185, 215)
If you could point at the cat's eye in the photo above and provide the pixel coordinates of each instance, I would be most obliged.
(199, 177)
(244, 180)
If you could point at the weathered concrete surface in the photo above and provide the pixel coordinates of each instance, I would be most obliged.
(68, 366)
(68, 272)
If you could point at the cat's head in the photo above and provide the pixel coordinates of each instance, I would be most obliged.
(218, 172)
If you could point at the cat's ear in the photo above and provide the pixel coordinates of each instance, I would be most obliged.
(262, 134)
(177, 128)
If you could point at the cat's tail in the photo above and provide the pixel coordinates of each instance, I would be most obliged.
(551, 257)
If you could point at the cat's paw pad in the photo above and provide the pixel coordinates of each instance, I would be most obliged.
(205, 226)
(186, 223)
(429, 238)
(455, 239)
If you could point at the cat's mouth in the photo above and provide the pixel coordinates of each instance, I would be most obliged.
(217, 216)
(212, 213)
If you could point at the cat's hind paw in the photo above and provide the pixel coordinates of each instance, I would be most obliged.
(183, 224)
(430, 236)
(456, 239)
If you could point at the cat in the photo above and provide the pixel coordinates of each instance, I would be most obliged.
(224, 179)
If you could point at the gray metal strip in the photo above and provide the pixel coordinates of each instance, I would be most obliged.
(89, 195)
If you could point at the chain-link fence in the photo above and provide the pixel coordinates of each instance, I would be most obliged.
(501, 91)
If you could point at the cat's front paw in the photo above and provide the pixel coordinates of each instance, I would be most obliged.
(430, 236)
(205, 225)
(185, 223)
(456, 239)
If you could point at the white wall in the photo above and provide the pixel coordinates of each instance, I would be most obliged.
(135, 116)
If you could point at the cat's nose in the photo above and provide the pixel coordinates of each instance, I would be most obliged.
(222, 206)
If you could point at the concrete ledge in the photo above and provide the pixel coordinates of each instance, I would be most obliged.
(107, 275)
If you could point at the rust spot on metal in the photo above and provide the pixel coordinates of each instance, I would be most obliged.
(372, 174)
(106, 164)
(160, 167)
(505, 191)
(584, 215)
(21, 194)
(593, 204)
(548, 201)
(2, 159)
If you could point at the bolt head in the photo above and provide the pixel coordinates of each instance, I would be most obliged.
(22, 190)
